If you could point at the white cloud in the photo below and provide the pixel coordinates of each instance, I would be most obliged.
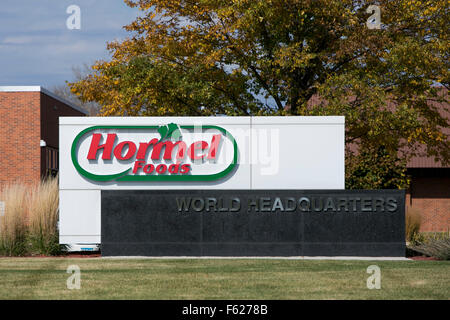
(18, 40)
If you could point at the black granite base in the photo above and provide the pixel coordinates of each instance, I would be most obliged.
(253, 223)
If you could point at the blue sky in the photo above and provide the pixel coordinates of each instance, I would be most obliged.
(36, 47)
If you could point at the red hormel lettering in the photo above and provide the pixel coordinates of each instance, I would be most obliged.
(141, 159)
(126, 150)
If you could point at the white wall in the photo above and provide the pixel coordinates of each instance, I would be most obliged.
(274, 153)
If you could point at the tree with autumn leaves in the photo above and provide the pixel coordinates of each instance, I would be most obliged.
(291, 57)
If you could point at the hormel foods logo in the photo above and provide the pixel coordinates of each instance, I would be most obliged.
(154, 153)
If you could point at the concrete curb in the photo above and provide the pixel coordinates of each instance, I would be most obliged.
(269, 258)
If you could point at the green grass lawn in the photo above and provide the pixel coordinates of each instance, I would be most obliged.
(45, 278)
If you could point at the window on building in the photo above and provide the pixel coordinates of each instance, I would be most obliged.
(51, 161)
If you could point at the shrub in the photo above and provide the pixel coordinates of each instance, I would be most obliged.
(43, 209)
(438, 248)
(439, 235)
(413, 221)
(29, 225)
(13, 224)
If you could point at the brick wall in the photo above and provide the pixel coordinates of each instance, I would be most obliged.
(430, 193)
(20, 128)
(26, 118)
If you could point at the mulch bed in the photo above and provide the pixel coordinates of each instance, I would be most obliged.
(65, 256)
(420, 258)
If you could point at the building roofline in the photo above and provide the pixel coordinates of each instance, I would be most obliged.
(44, 91)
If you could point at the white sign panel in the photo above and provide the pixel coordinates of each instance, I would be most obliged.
(117, 153)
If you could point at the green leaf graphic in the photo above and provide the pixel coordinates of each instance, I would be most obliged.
(163, 131)
(171, 131)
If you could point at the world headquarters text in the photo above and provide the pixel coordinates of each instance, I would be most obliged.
(287, 204)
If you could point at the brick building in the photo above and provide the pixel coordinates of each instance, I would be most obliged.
(29, 118)
(429, 191)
